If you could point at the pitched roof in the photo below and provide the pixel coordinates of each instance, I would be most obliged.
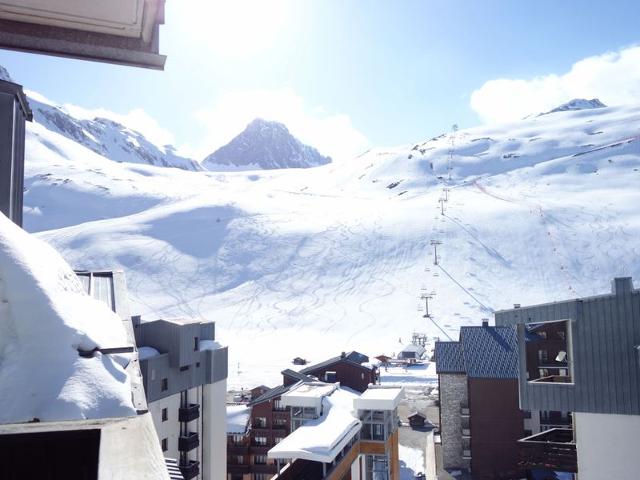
(353, 358)
(490, 352)
(449, 358)
(297, 375)
(269, 394)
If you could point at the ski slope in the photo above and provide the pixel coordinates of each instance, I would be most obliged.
(311, 262)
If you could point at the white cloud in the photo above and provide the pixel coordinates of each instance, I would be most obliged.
(613, 77)
(331, 133)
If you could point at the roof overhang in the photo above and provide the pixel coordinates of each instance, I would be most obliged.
(124, 32)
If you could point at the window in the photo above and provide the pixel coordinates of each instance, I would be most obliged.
(260, 441)
(279, 422)
(239, 459)
(277, 440)
(196, 344)
(259, 459)
(197, 364)
(548, 351)
(164, 415)
(165, 385)
(277, 405)
(260, 422)
(262, 476)
(153, 374)
(185, 368)
(165, 444)
(362, 376)
(237, 439)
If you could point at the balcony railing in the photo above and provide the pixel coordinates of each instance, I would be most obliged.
(190, 413)
(190, 470)
(553, 379)
(186, 443)
(552, 449)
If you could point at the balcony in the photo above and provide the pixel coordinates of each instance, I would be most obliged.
(237, 449)
(260, 431)
(186, 443)
(190, 470)
(265, 468)
(237, 469)
(553, 379)
(553, 449)
(259, 449)
(190, 413)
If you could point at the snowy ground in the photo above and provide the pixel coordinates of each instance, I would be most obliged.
(411, 462)
(314, 262)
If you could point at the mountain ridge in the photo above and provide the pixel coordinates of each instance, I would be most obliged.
(266, 145)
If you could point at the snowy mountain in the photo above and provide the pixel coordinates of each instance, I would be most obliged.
(103, 136)
(106, 137)
(264, 145)
(578, 104)
(311, 262)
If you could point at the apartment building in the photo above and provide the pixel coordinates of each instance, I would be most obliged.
(480, 419)
(270, 420)
(185, 380)
(595, 375)
(238, 441)
(338, 434)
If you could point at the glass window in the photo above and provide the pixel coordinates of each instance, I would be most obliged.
(165, 385)
(165, 415)
(548, 351)
(260, 441)
(259, 459)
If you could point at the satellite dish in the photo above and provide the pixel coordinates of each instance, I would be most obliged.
(561, 357)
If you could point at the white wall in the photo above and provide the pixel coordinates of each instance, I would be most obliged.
(607, 446)
(171, 428)
(214, 438)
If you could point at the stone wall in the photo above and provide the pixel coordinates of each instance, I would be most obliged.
(453, 392)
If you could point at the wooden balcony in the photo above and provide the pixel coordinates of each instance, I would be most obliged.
(553, 449)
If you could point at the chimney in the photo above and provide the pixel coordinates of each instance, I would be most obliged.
(622, 285)
(343, 355)
(516, 305)
(485, 322)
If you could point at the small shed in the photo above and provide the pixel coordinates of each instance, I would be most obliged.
(417, 419)
(412, 352)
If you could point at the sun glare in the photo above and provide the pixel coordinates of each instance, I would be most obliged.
(238, 27)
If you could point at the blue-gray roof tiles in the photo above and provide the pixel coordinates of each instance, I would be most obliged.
(490, 352)
(449, 358)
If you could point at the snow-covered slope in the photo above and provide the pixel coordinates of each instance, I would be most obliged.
(264, 145)
(311, 262)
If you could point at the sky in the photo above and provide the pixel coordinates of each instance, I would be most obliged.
(347, 75)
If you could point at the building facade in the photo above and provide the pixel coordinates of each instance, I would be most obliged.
(597, 379)
(480, 418)
(185, 379)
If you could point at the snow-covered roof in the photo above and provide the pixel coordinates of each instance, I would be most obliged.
(46, 317)
(147, 352)
(237, 418)
(308, 394)
(379, 399)
(209, 345)
(321, 440)
(412, 347)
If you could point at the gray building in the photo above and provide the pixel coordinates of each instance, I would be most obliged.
(14, 111)
(185, 372)
(595, 375)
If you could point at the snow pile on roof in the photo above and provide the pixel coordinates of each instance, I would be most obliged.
(45, 316)
(209, 345)
(237, 418)
(322, 439)
(147, 352)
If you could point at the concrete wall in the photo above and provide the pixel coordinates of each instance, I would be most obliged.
(169, 429)
(453, 390)
(607, 445)
(214, 437)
